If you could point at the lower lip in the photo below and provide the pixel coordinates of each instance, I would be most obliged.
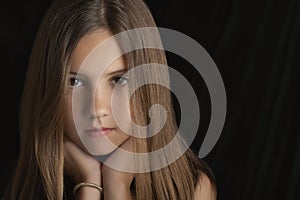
(99, 133)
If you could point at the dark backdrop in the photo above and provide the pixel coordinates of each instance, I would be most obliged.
(255, 45)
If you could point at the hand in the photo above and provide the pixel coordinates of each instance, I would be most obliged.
(113, 178)
(79, 165)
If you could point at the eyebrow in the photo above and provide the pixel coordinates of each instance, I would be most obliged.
(121, 71)
(75, 73)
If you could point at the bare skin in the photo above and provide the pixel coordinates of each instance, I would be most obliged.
(79, 163)
(83, 167)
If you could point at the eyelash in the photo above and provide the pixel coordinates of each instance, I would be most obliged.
(115, 81)
(75, 79)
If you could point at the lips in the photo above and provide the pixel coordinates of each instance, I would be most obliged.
(96, 132)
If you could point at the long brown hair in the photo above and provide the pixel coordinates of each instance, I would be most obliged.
(39, 173)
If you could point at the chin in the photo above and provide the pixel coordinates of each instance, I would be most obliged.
(100, 148)
(101, 151)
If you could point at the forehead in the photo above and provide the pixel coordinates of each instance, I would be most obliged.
(90, 46)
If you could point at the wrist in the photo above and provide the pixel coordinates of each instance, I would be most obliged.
(87, 189)
(88, 192)
(92, 179)
(96, 178)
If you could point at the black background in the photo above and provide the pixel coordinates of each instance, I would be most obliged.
(256, 46)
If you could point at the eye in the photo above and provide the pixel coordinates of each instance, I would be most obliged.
(75, 82)
(119, 81)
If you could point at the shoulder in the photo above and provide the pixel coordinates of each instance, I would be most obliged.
(205, 189)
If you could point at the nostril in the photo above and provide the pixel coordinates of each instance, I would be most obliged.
(95, 115)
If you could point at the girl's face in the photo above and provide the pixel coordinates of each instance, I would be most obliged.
(89, 120)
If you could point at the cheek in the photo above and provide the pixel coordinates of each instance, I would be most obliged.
(69, 126)
(121, 111)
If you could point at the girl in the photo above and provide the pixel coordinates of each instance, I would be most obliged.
(57, 157)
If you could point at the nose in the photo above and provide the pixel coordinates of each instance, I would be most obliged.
(101, 102)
